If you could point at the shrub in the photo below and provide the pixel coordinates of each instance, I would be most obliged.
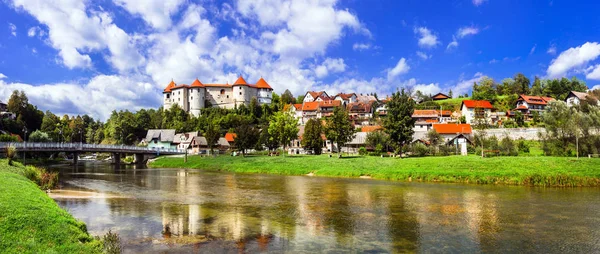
(362, 150)
(379, 148)
(44, 179)
(39, 136)
(420, 150)
(8, 138)
(507, 147)
(11, 153)
(523, 147)
(112, 243)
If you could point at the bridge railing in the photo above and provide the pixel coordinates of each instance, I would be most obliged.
(80, 146)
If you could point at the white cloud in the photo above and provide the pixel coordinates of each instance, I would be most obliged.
(13, 29)
(551, 50)
(427, 38)
(573, 58)
(478, 2)
(465, 85)
(98, 97)
(593, 74)
(532, 49)
(157, 13)
(595, 87)
(2, 76)
(35, 30)
(493, 61)
(423, 55)
(361, 46)
(400, 68)
(452, 44)
(466, 31)
(428, 89)
(330, 65)
(375, 85)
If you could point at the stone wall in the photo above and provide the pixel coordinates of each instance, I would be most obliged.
(515, 133)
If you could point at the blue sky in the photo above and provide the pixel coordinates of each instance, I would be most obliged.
(92, 57)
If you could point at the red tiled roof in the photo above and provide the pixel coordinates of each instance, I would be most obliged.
(196, 83)
(345, 96)
(261, 83)
(180, 86)
(217, 85)
(425, 113)
(170, 86)
(521, 107)
(330, 103)
(440, 96)
(536, 100)
(230, 137)
(298, 106)
(450, 128)
(310, 106)
(240, 82)
(371, 128)
(477, 104)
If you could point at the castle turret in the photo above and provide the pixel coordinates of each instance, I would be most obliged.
(241, 92)
(197, 97)
(168, 96)
(264, 91)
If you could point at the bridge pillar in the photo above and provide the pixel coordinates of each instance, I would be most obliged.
(116, 158)
(75, 158)
(139, 158)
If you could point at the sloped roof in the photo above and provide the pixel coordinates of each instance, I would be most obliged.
(298, 106)
(197, 83)
(360, 138)
(371, 128)
(451, 128)
(261, 83)
(344, 96)
(310, 106)
(535, 100)
(170, 86)
(199, 141)
(217, 85)
(440, 96)
(365, 98)
(230, 137)
(580, 95)
(330, 104)
(425, 113)
(223, 142)
(184, 137)
(162, 135)
(360, 107)
(240, 82)
(477, 104)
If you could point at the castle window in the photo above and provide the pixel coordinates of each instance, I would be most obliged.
(223, 91)
(168, 96)
(227, 96)
(240, 93)
(191, 98)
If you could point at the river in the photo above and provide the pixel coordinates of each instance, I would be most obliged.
(176, 210)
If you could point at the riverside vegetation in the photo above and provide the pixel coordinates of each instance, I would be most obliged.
(31, 222)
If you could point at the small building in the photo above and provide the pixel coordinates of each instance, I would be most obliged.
(309, 111)
(313, 96)
(361, 112)
(574, 98)
(425, 118)
(474, 109)
(230, 137)
(359, 140)
(440, 96)
(183, 140)
(527, 104)
(199, 145)
(223, 144)
(449, 131)
(371, 128)
(345, 98)
(160, 138)
(326, 108)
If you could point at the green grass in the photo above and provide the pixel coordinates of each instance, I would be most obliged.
(536, 171)
(31, 222)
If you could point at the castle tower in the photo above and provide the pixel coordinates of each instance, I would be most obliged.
(264, 93)
(168, 96)
(197, 93)
(241, 92)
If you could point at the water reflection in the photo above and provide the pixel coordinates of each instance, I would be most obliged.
(190, 210)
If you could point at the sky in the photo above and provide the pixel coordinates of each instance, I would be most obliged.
(93, 57)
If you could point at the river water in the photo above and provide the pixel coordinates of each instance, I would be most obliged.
(177, 210)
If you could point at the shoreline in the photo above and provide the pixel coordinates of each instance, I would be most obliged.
(521, 171)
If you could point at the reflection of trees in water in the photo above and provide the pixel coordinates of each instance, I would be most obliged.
(403, 226)
(337, 212)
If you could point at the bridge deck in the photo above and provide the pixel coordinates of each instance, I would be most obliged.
(82, 148)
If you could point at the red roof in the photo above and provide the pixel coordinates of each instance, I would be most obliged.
(298, 106)
(240, 82)
(230, 137)
(535, 100)
(345, 96)
(425, 113)
(371, 128)
(170, 86)
(330, 103)
(261, 83)
(217, 85)
(196, 83)
(440, 96)
(451, 128)
(477, 104)
(310, 106)
(521, 107)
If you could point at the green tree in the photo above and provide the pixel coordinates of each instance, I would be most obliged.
(39, 136)
(434, 138)
(312, 140)
(339, 128)
(212, 133)
(246, 137)
(399, 124)
(287, 97)
(485, 90)
(537, 89)
(284, 128)
(300, 99)
(522, 84)
(377, 138)
(450, 93)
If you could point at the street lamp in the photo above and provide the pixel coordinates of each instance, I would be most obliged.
(80, 137)
(24, 142)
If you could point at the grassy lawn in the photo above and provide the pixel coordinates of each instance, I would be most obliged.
(538, 171)
(31, 222)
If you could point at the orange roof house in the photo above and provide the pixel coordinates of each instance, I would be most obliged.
(477, 104)
(310, 106)
(535, 100)
(196, 83)
(230, 137)
(453, 129)
(440, 96)
(371, 128)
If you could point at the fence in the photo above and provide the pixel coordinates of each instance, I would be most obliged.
(86, 147)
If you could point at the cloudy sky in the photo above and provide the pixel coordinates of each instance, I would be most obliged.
(78, 56)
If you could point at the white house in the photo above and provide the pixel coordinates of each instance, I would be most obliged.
(574, 98)
(472, 109)
(160, 138)
(316, 96)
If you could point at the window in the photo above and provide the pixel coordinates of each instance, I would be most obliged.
(227, 96)
(240, 93)
(168, 96)
(222, 91)
(191, 98)
(240, 88)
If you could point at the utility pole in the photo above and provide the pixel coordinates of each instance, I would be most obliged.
(24, 143)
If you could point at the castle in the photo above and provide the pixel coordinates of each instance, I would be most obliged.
(192, 98)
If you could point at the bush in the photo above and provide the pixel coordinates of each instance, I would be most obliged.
(8, 138)
(523, 147)
(39, 136)
(419, 150)
(44, 179)
(362, 150)
(445, 150)
(11, 153)
(112, 243)
(508, 147)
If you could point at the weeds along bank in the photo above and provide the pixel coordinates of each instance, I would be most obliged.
(31, 222)
(530, 171)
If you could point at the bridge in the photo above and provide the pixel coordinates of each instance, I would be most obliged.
(140, 153)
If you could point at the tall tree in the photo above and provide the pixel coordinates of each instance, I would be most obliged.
(246, 137)
(212, 135)
(399, 124)
(312, 140)
(522, 84)
(485, 90)
(283, 127)
(537, 88)
(339, 128)
(287, 97)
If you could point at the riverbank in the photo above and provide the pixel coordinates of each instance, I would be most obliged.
(31, 222)
(530, 171)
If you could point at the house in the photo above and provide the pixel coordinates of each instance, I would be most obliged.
(345, 98)
(157, 138)
(309, 110)
(183, 140)
(296, 110)
(449, 131)
(371, 128)
(473, 110)
(199, 145)
(313, 96)
(359, 140)
(365, 98)
(440, 96)
(295, 146)
(424, 119)
(230, 137)
(196, 96)
(223, 144)
(326, 108)
(575, 98)
(527, 104)
(361, 112)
